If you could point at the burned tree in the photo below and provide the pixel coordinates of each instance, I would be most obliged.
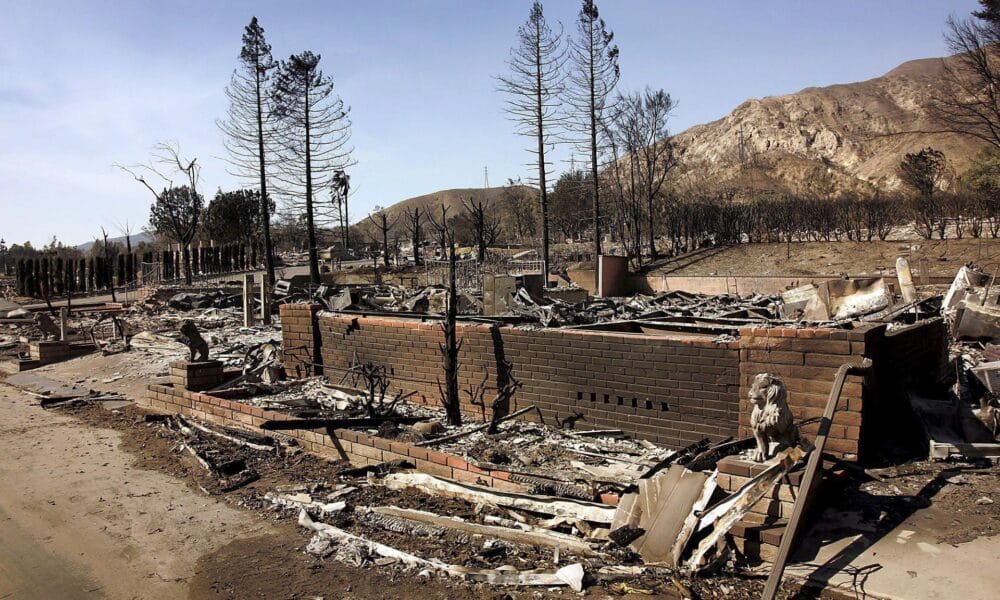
(108, 254)
(924, 171)
(383, 225)
(313, 135)
(236, 217)
(500, 406)
(415, 220)
(249, 124)
(442, 228)
(593, 75)
(968, 101)
(533, 88)
(452, 345)
(642, 156)
(126, 230)
(485, 224)
(176, 211)
(339, 195)
(374, 381)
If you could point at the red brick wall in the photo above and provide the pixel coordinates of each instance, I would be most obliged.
(300, 341)
(806, 360)
(673, 389)
(907, 357)
(357, 448)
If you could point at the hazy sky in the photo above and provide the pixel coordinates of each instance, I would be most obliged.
(86, 84)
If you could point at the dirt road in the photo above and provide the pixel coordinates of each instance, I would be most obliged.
(77, 520)
(97, 504)
(83, 516)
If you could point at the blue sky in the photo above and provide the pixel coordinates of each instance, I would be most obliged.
(84, 85)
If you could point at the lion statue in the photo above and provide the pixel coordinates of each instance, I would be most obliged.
(771, 419)
(195, 342)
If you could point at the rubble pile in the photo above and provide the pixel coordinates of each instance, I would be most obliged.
(386, 298)
(674, 304)
(960, 417)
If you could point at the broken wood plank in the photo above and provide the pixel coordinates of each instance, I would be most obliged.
(570, 575)
(285, 424)
(229, 438)
(596, 432)
(691, 521)
(627, 513)
(304, 501)
(617, 474)
(534, 537)
(812, 467)
(547, 505)
(667, 511)
(462, 434)
(710, 457)
(725, 514)
(947, 450)
(606, 456)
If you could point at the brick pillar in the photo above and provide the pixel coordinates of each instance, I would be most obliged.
(301, 344)
(196, 376)
(806, 360)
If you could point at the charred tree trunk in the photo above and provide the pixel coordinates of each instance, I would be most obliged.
(451, 346)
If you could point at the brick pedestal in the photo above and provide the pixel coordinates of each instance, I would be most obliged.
(50, 351)
(758, 535)
(196, 376)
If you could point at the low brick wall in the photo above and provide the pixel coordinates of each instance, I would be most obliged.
(907, 357)
(341, 444)
(670, 388)
(673, 389)
(55, 351)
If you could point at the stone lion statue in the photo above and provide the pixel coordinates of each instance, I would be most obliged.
(47, 326)
(195, 342)
(771, 419)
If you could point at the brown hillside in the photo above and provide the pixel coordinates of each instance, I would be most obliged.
(451, 199)
(853, 133)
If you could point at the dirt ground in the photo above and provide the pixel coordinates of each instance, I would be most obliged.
(81, 520)
(99, 503)
(959, 501)
(944, 257)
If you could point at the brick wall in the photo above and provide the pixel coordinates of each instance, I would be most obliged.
(300, 339)
(341, 444)
(806, 360)
(55, 350)
(915, 354)
(907, 357)
(673, 389)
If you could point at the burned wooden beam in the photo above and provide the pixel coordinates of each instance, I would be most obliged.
(688, 451)
(461, 434)
(285, 424)
(726, 513)
(536, 537)
(547, 505)
(570, 575)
